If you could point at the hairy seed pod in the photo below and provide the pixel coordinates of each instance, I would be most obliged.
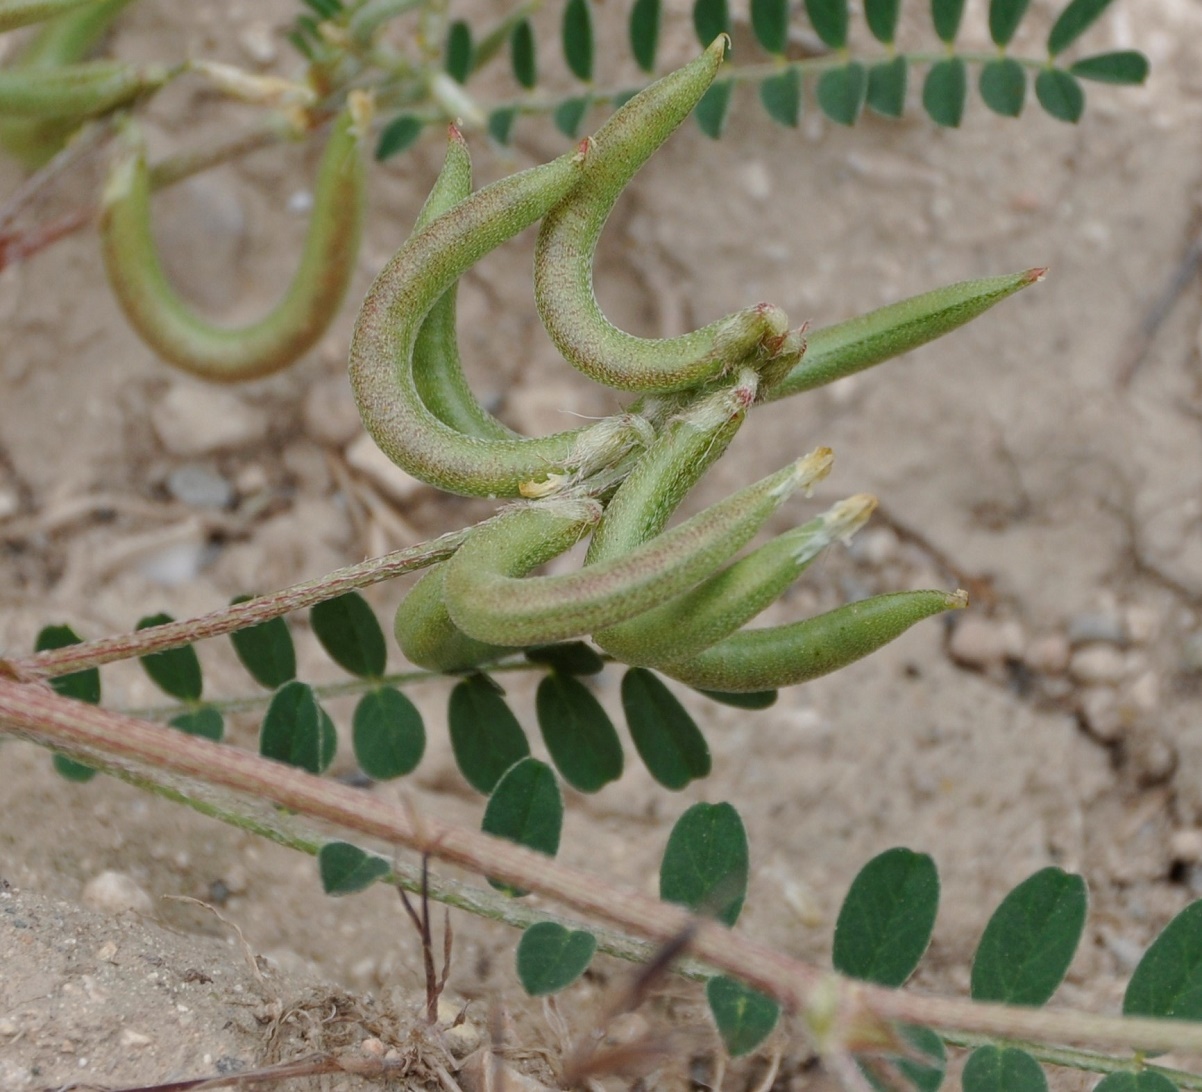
(63, 41)
(23, 13)
(715, 609)
(861, 342)
(75, 91)
(490, 603)
(563, 268)
(381, 359)
(180, 336)
(766, 659)
(437, 371)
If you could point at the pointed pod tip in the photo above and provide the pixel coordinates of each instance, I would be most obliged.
(1034, 276)
(720, 47)
(845, 518)
(811, 469)
(957, 600)
(455, 134)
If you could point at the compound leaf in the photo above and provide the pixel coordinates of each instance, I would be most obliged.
(887, 87)
(175, 671)
(1147, 1081)
(266, 650)
(644, 32)
(1030, 939)
(841, 93)
(1124, 66)
(710, 18)
(458, 60)
(1074, 21)
(550, 958)
(577, 33)
(882, 18)
(924, 1067)
(946, 15)
(569, 114)
(349, 632)
(204, 721)
(1004, 17)
(522, 54)
(1003, 86)
(665, 736)
(990, 1069)
(781, 97)
(297, 730)
(1060, 94)
(387, 734)
(80, 685)
(346, 869)
(526, 807)
(887, 917)
(398, 135)
(830, 18)
(706, 862)
(745, 1017)
(570, 658)
(757, 699)
(583, 742)
(711, 111)
(500, 122)
(770, 21)
(944, 91)
(1168, 980)
(485, 735)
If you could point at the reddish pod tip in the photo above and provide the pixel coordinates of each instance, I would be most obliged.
(1034, 276)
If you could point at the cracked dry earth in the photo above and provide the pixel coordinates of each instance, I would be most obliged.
(1058, 722)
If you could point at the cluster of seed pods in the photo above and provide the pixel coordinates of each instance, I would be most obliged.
(673, 599)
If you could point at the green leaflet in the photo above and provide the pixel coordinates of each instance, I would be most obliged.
(550, 958)
(705, 864)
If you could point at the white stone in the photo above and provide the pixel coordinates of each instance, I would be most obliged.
(115, 893)
(329, 413)
(1098, 707)
(1048, 654)
(1144, 694)
(192, 420)
(1097, 664)
(382, 472)
(1186, 845)
(978, 643)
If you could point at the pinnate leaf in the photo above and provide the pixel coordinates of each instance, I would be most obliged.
(665, 736)
(990, 1069)
(1004, 17)
(526, 807)
(887, 917)
(550, 958)
(297, 730)
(710, 18)
(841, 92)
(266, 650)
(1168, 980)
(644, 32)
(781, 96)
(711, 111)
(1030, 939)
(1124, 66)
(1074, 21)
(745, 1017)
(351, 635)
(397, 135)
(387, 733)
(522, 54)
(882, 18)
(770, 21)
(706, 862)
(829, 18)
(1060, 94)
(346, 869)
(485, 735)
(944, 92)
(175, 671)
(569, 114)
(887, 87)
(458, 59)
(204, 721)
(946, 15)
(577, 34)
(569, 658)
(1147, 1081)
(583, 742)
(80, 685)
(756, 699)
(1003, 86)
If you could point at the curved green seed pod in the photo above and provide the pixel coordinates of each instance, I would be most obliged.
(423, 627)
(437, 371)
(692, 622)
(685, 448)
(181, 337)
(767, 659)
(381, 359)
(490, 603)
(859, 343)
(23, 13)
(75, 91)
(563, 265)
(62, 41)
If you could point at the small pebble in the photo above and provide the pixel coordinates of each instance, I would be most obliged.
(1096, 626)
(461, 1040)
(1191, 654)
(178, 564)
(199, 487)
(329, 413)
(115, 893)
(131, 1038)
(1149, 757)
(1142, 625)
(1186, 846)
(1098, 707)
(1049, 654)
(1144, 694)
(979, 643)
(192, 420)
(373, 464)
(9, 503)
(1097, 664)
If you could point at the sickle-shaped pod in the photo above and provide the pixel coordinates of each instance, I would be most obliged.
(180, 336)
(75, 91)
(563, 269)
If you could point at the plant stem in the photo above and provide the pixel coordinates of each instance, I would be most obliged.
(37, 713)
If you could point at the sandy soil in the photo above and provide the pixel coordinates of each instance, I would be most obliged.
(1057, 725)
